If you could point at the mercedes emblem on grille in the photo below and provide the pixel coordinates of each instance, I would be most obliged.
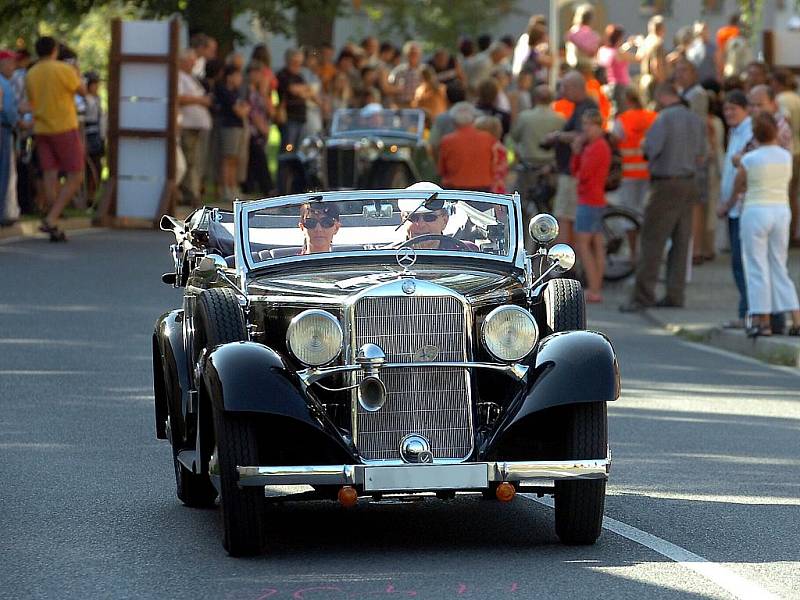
(427, 353)
(406, 257)
(409, 287)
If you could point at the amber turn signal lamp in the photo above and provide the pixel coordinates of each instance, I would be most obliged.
(505, 492)
(348, 496)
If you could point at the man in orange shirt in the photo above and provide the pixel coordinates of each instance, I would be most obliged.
(51, 85)
(465, 156)
(724, 35)
(630, 127)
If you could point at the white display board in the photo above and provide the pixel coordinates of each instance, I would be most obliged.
(145, 37)
(144, 55)
(141, 177)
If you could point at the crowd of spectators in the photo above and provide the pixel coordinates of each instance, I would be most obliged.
(48, 104)
(702, 132)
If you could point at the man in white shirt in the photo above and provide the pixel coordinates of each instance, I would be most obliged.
(195, 122)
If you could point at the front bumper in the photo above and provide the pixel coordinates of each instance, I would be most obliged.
(419, 477)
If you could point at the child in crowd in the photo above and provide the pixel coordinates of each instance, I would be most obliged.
(591, 160)
(499, 152)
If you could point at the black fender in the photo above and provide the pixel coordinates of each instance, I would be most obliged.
(171, 375)
(253, 378)
(570, 367)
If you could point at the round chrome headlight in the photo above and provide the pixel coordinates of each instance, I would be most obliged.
(314, 337)
(509, 333)
(543, 228)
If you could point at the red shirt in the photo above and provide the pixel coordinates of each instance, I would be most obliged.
(590, 168)
(465, 159)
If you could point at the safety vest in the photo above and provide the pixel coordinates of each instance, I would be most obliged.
(564, 107)
(635, 123)
(595, 92)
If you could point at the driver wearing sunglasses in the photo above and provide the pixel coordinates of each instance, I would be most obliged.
(319, 223)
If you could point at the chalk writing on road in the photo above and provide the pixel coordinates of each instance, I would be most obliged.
(356, 590)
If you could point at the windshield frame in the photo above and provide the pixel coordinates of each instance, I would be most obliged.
(242, 210)
(378, 131)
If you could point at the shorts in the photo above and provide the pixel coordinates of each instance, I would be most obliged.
(566, 198)
(60, 151)
(589, 219)
(232, 138)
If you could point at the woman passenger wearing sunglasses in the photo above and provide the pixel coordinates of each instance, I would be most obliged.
(319, 223)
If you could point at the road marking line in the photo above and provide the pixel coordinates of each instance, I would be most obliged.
(734, 584)
(747, 359)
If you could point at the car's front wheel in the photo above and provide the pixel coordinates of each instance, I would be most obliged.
(579, 504)
(242, 508)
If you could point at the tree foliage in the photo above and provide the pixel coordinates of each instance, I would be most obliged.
(436, 22)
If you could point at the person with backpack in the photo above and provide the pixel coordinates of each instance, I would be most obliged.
(590, 164)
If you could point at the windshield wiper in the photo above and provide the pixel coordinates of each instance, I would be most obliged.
(424, 203)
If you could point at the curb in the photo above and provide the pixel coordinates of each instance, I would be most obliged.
(775, 350)
(30, 228)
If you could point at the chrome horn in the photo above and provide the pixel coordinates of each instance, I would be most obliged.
(371, 390)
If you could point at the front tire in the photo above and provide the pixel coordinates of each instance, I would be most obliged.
(579, 504)
(242, 509)
(565, 307)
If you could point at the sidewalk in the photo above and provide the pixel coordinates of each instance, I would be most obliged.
(711, 299)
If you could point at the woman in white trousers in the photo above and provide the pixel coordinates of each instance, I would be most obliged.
(765, 172)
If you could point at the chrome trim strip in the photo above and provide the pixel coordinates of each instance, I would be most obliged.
(549, 470)
(516, 370)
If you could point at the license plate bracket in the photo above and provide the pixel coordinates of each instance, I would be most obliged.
(426, 477)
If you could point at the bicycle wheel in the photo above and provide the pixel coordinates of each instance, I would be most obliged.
(620, 227)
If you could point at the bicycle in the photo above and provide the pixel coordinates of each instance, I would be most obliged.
(620, 230)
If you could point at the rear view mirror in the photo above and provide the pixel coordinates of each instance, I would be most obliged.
(377, 211)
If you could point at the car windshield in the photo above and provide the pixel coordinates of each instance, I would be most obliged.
(401, 123)
(370, 223)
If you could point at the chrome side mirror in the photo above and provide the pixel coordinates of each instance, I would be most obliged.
(210, 264)
(543, 228)
(563, 257)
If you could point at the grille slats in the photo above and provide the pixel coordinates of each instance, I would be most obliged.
(432, 402)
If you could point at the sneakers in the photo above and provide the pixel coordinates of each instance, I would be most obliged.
(667, 303)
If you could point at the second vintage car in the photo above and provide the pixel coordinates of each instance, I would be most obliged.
(357, 345)
(368, 148)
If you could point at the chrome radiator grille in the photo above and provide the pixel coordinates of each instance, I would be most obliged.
(434, 402)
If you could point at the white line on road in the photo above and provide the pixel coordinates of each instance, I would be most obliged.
(747, 359)
(734, 584)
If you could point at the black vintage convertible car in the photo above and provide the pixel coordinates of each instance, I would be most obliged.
(392, 363)
(368, 148)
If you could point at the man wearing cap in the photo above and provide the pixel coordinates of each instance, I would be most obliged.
(319, 223)
(9, 208)
(429, 218)
(51, 85)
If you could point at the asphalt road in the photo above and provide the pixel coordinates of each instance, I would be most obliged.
(703, 500)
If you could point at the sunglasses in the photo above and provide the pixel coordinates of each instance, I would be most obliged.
(325, 222)
(427, 217)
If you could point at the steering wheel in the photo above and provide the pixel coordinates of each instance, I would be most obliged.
(445, 242)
